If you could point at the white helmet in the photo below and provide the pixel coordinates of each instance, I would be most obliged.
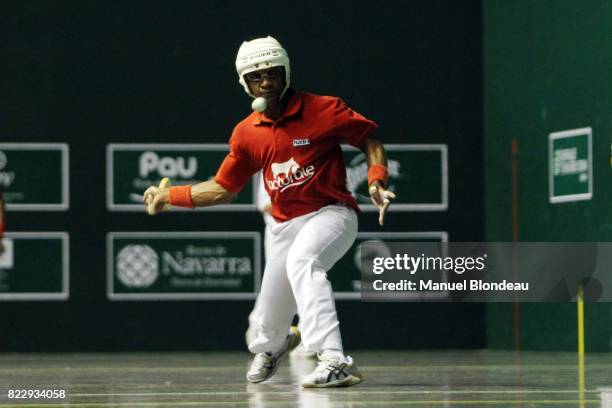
(258, 54)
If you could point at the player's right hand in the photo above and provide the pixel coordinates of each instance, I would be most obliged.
(155, 199)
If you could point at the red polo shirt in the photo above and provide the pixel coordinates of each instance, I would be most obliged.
(299, 153)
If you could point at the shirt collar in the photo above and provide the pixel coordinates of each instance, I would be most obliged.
(293, 107)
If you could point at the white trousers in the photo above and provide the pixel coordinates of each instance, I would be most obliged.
(300, 252)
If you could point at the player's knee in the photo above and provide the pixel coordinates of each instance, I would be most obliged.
(305, 267)
(298, 264)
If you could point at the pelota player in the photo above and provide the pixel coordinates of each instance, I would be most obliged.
(295, 140)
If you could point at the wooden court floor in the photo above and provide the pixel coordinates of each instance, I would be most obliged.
(392, 379)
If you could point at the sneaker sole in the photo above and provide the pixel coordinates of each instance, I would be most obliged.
(346, 382)
(274, 370)
(296, 341)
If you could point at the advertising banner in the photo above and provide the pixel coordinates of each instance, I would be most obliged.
(183, 265)
(34, 266)
(34, 176)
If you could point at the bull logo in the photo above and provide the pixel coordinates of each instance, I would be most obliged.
(288, 174)
(286, 168)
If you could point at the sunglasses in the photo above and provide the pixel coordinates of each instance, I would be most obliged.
(272, 73)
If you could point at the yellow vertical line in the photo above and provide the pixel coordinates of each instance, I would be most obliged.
(516, 306)
(581, 378)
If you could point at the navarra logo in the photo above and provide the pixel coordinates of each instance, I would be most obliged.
(289, 174)
(137, 266)
(180, 264)
(167, 166)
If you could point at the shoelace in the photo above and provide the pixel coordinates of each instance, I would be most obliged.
(329, 365)
(263, 360)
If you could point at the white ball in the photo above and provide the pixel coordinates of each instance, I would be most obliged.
(259, 104)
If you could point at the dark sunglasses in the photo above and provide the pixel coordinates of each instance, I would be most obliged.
(272, 73)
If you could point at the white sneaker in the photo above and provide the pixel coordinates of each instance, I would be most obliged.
(264, 365)
(333, 373)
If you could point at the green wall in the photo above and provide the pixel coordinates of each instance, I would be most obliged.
(547, 68)
(97, 72)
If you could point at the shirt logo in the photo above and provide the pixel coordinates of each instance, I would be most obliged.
(301, 142)
(289, 174)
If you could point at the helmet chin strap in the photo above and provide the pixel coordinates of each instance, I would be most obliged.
(283, 93)
(279, 98)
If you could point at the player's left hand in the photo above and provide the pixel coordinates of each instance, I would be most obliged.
(381, 198)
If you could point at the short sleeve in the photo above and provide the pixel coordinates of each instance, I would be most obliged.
(236, 169)
(353, 127)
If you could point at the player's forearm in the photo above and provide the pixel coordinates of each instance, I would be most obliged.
(376, 158)
(375, 152)
(378, 177)
(210, 193)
